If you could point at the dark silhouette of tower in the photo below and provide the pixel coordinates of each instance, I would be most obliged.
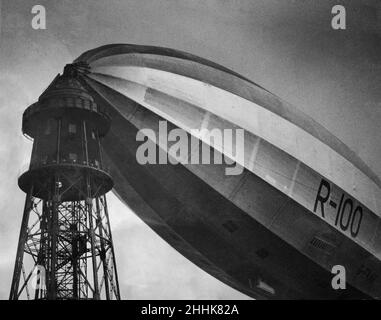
(65, 248)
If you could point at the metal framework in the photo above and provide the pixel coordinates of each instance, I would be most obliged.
(66, 247)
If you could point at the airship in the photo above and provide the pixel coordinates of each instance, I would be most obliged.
(288, 204)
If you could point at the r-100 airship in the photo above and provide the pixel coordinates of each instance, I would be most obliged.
(287, 203)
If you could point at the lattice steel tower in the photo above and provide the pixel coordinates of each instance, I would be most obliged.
(65, 248)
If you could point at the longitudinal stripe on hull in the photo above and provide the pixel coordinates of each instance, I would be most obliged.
(295, 226)
(181, 63)
(138, 83)
(186, 64)
(304, 202)
(275, 166)
(199, 214)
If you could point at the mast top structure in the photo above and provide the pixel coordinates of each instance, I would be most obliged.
(70, 245)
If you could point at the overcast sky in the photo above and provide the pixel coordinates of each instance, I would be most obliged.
(287, 46)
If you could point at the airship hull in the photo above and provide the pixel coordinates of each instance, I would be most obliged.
(273, 231)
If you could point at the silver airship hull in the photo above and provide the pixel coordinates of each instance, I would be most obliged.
(273, 231)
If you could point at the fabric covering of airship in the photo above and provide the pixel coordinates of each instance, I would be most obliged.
(295, 203)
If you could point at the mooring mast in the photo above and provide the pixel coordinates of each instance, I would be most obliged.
(65, 248)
